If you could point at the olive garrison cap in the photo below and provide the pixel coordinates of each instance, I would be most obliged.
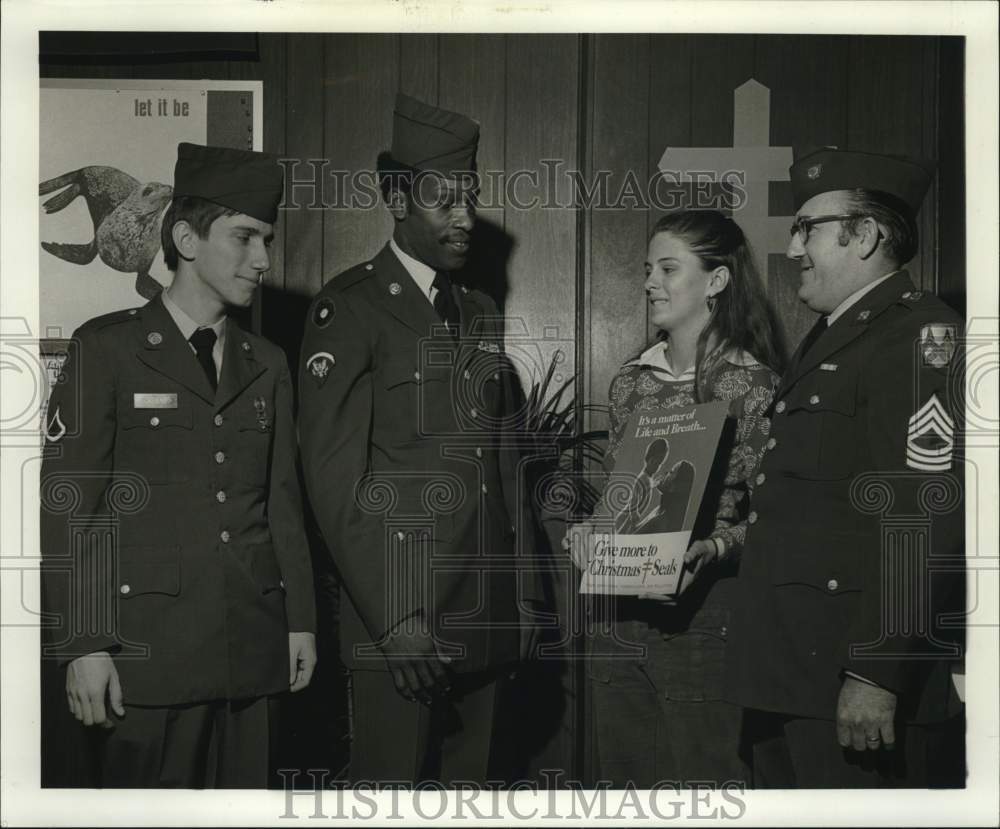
(242, 180)
(905, 179)
(425, 137)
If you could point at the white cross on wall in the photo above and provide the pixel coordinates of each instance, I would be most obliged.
(751, 155)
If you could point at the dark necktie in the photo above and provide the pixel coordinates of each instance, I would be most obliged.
(203, 340)
(814, 334)
(444, 303)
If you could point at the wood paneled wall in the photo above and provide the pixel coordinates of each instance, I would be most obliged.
(594, 102)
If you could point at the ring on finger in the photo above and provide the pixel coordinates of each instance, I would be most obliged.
(872, 740)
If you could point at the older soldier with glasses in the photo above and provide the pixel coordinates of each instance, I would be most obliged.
(838, 654)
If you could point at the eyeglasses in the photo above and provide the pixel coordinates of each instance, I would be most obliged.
(803, 224)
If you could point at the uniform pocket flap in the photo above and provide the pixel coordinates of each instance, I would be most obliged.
(832, 574)
(253, 424)
(397, 372)
(155, 419)
(824, 391)
(142, 578)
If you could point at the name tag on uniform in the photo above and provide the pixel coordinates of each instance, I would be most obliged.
(154, 401)
(828, 367)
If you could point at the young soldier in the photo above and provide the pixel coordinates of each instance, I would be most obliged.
(175, 560)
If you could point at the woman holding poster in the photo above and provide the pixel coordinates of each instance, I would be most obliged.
(657, 682)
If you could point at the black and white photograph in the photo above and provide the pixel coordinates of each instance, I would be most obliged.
(345, 345)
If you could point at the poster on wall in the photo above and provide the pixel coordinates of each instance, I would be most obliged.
(106, 165)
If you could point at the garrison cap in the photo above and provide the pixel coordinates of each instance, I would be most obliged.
(428, 138)
(243, 180)
(905, 179)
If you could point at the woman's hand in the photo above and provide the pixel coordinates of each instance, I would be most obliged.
(578, 542)
(697, 556)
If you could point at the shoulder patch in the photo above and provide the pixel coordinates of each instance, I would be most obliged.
(937, 344)
(324, 312)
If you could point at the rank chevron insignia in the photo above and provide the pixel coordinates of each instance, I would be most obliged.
(55, 429)
(930, 438)
(319, 366)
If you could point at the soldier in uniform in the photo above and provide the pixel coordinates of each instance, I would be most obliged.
(175, 557)
(411, 471)
(840, 648)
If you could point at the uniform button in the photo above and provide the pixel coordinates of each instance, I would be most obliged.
(467, 374)
(752, 517)
(220, 496)
(780, 407)
(154, 422)
(218, 420)
(814, 399)
(832, 585)
(479, 452)
(416, 375)
(400, 535)
(125, 589)
(220, 457)
(771, 443)
(281, 583)
(724, 630)
(485, 489)
(225, 536)
(761, 477)
(474, 413)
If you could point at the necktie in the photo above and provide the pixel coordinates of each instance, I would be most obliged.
(203, 340)
(444, 303)
(814, 334)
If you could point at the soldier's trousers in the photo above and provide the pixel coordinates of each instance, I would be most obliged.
(221, 744)
(407, 742)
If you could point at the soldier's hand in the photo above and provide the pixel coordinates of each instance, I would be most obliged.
(418, 670)
(89, 679)
(865, 715)
(301, 659)
(578, 542)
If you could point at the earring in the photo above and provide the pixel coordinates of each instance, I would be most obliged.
(711, 302)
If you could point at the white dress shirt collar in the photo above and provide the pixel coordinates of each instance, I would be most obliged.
(188, 326)
(422, 274)
(841, 309)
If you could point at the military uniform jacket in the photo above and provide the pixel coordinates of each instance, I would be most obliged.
(172, 531)
(854, 553)
(410, 466)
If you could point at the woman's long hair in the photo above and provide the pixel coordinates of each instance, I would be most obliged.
(741, 317)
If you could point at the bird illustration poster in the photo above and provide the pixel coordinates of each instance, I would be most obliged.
(106, 169)
(105, 172)
(644, 521)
